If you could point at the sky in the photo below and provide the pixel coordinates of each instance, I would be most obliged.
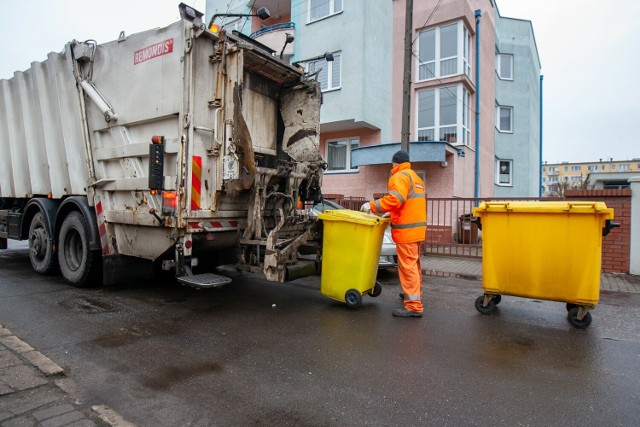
(588, 50)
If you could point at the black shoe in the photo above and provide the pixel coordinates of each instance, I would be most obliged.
(403, 312)
(401, 295)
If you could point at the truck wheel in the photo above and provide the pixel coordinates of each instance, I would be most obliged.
(41, 252)
(79, 265)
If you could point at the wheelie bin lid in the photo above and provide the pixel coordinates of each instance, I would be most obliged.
(545, 207)
(348, 215)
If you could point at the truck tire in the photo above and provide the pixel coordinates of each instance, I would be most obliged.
(78, 264)
(41, 250)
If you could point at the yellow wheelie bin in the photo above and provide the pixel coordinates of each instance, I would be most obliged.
(351, 243)
(543, 250)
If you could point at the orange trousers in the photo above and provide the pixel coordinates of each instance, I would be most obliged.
(410, 272)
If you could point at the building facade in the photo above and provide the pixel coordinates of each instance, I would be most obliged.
(607, 174)
(518, 113)
(459, 93)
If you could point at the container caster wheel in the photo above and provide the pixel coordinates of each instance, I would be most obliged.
(575, 322)
(570, 306)
(496, 299)
(376, 291)
(353, 298)
(488, 309)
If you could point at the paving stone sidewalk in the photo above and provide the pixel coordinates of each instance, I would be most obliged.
(468, 268)
(34, 391)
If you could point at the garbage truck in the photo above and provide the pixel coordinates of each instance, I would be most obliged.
(169, 149)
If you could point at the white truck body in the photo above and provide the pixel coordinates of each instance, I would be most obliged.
(236, 143)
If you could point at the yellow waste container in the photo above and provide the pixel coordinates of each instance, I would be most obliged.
(351, 245)
(543, 250)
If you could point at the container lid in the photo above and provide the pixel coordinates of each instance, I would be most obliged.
(348, 215)
(545, 207)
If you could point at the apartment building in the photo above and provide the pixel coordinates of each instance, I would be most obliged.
(469, 118)
(518, 101)
(557, 177)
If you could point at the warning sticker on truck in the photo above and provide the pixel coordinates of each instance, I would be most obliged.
(153, 51)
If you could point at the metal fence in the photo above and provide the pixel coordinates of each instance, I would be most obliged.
(450, 229)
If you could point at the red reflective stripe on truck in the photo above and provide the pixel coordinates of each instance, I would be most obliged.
(102, 227)
(196, 186)
(213, 225)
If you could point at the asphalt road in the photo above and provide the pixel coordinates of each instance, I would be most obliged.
(260, 354)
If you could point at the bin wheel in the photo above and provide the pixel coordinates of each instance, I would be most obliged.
(353, 298)
(376, 291)
(490, 308)
(573, 319)
(496, 299)
(570, 306)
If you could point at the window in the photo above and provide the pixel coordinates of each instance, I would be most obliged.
(503, 172)
(601, 167)
(443, 114)
(625, 167)
(613, 167)
(339, 154)
(330, 73)
(592, 168)
(236, 24)
(319, 9)
(504, 118)
(504, 66)
(576, 168)
(566, 168)
(444, 51)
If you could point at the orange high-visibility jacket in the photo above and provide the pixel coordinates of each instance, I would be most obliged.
(407, 204)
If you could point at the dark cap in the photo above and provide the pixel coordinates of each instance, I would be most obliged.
(400, 157)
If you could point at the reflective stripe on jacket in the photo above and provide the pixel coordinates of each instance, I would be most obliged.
(407, 204)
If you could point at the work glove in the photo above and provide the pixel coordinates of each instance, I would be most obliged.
(365, 208)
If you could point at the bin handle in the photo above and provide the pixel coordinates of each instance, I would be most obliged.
(499, 204)
(582, 205)
(608, 226)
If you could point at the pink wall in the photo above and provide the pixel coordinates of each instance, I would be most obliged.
(367, 180)
(460, 170)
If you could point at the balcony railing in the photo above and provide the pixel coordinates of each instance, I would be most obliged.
(271, 28)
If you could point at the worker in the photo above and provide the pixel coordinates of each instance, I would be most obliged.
(407, 204)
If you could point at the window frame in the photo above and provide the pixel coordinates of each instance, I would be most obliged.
(332, 10)
(350, 140)
(462, 123)
(498, 121)
(462, 56)
(499, 57)
(497, 175)
(329, 65)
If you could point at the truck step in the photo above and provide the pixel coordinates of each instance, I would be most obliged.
(206, 280)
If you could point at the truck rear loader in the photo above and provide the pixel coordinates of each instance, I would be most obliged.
(163, 150)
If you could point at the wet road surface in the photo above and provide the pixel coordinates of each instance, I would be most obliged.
(167, 355)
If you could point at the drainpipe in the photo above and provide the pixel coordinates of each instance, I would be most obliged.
(478, 14)
(540, 172)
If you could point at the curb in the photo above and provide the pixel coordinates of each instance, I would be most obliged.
(52, 370)
(463, 276)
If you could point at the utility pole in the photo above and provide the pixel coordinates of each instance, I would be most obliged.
(406, 82)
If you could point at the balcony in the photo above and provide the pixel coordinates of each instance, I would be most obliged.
(421, 151)
(274, 36)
